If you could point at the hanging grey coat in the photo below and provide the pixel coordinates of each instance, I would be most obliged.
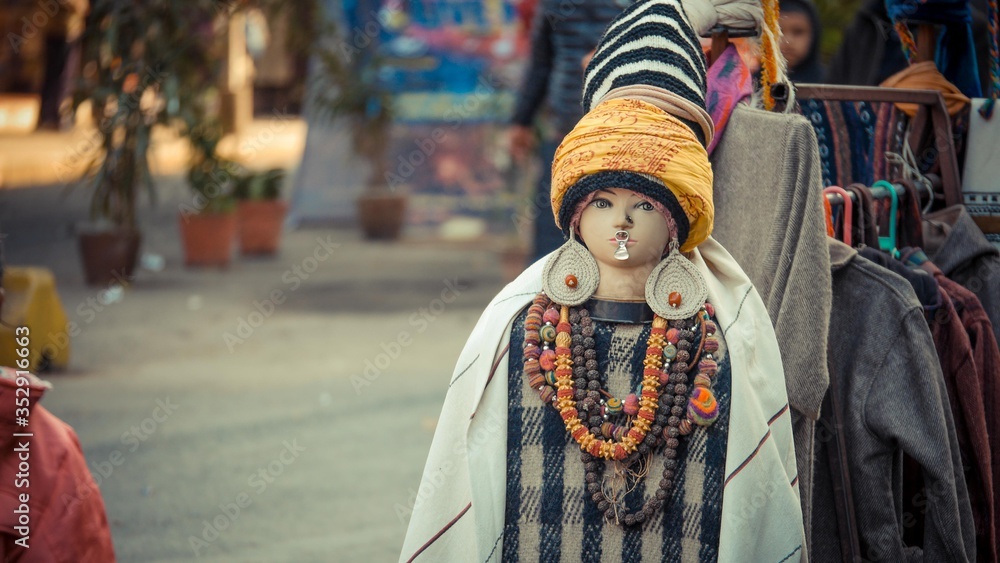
(893, 395)
(955, 244)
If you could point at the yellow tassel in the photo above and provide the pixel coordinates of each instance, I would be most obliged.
(769, 48)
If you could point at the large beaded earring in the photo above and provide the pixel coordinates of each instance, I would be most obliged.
(571, 277)
(675, 289)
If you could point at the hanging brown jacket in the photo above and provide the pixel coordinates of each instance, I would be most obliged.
(966, 396)
(985, 357)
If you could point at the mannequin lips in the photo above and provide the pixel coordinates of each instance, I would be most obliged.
(629, 242)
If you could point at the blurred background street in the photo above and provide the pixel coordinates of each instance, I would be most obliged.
(274, 404)
(289, 381)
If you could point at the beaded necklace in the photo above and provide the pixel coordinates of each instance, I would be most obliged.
(560, 362)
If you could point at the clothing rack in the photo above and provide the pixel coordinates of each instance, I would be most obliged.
(877, 191)
(930, 101)
(721, 35)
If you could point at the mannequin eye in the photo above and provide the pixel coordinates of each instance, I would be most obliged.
(645, 206)
(601, 203)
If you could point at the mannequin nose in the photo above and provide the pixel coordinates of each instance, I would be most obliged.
(624, 221)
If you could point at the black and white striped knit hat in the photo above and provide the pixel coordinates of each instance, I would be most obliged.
(652, 49)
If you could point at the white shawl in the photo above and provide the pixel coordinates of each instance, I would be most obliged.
(459, 512)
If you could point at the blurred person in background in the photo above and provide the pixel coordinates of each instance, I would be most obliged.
(801, 31)
(563, 33)
(871, 51)
(51, 512)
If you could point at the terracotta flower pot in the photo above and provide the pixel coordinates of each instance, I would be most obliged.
(260, 224)
(109, 256)
(382, 215)
(208, 238)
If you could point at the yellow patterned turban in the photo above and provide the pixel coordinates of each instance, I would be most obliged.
(632, 144)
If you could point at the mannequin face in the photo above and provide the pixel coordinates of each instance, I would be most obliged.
(606, 214)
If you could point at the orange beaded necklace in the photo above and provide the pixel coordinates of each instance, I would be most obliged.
(538, 367)
(551, 373)
(648, 403)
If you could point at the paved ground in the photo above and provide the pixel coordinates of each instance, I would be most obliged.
(272, 421)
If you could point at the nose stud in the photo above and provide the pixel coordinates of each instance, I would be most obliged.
(622, 252)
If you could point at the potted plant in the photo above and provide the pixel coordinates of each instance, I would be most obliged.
(349, 88)
(260, 211)
(208, 224)
(120, 67)
(143, 64)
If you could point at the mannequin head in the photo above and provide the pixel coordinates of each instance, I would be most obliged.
(636, 145)
(611, 210)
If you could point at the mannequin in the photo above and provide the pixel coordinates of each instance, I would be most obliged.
(617, 392)
(640, 499)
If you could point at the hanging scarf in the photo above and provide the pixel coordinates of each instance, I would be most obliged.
(925, 76)
(729, 83)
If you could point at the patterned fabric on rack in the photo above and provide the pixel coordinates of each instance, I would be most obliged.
(980, 190)
(853, 136)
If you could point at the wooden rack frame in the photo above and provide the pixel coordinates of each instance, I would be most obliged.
(930, 102)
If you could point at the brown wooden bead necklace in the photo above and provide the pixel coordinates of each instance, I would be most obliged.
(670, 409)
